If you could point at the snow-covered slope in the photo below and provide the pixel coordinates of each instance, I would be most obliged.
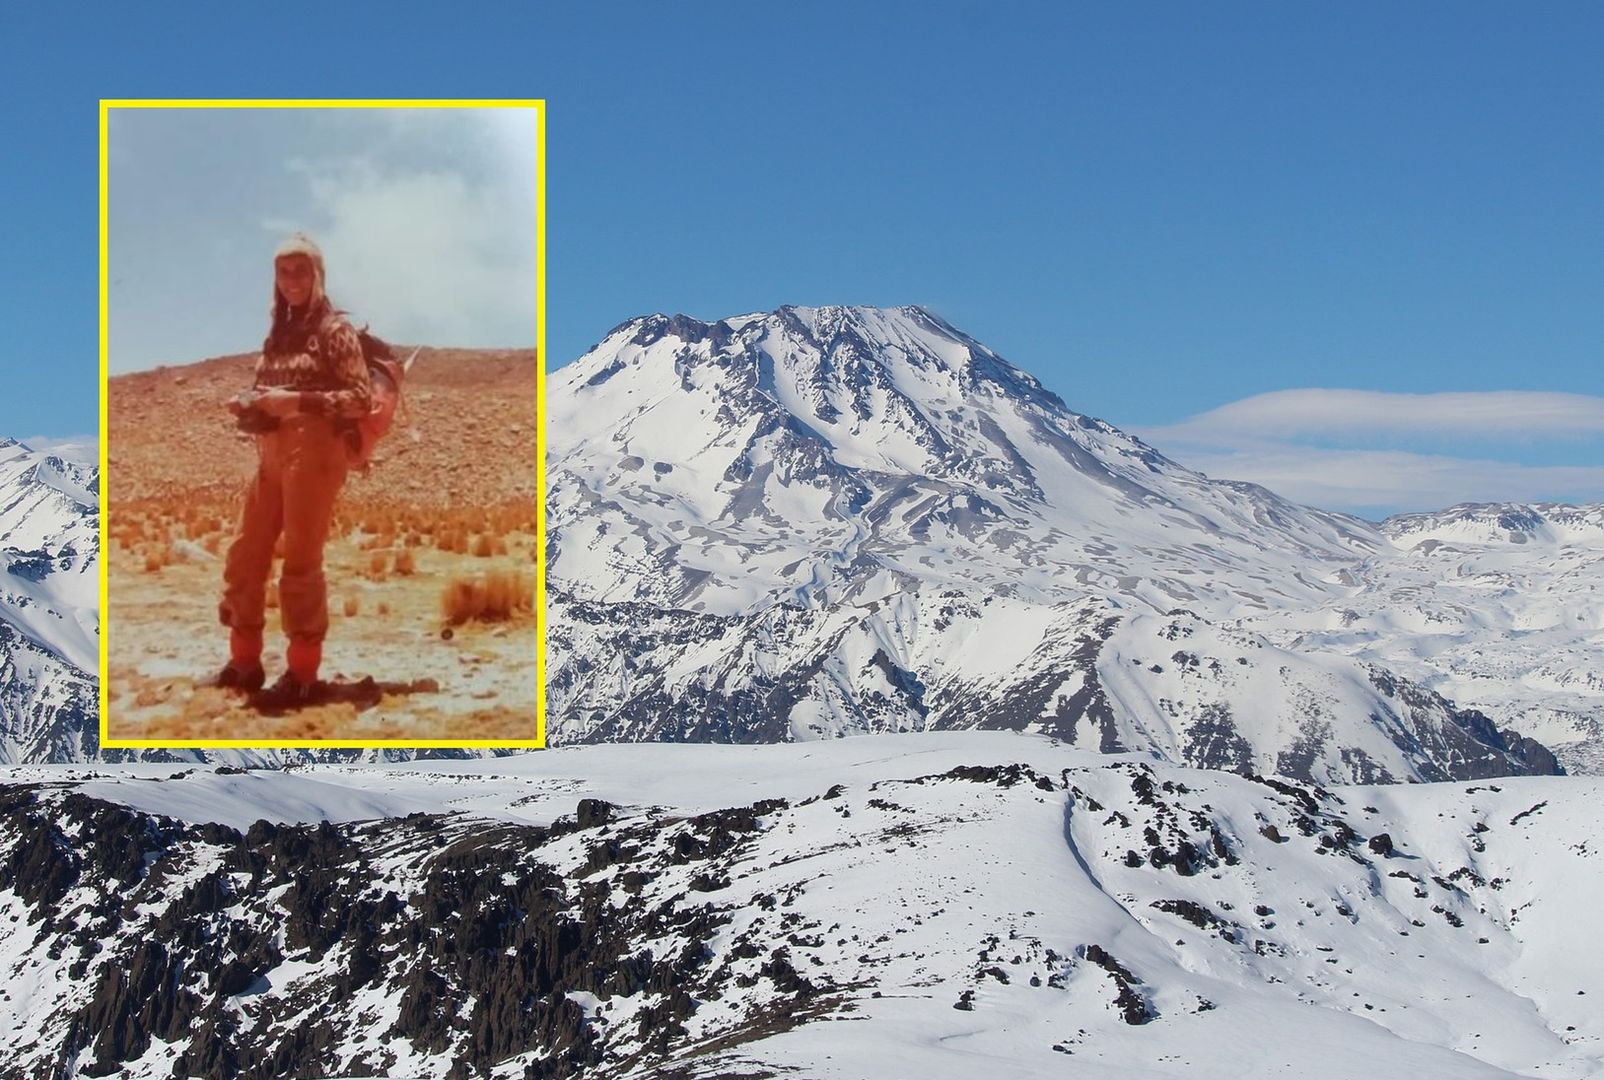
(824, 521)
(1176, 686)
(880, 907)
(1498, 607)
(49, 605)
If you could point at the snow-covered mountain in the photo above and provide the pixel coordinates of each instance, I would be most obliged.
(823, 521)
(864, 909)
(49, 605)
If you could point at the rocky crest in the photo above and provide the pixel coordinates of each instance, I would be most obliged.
(1043, 904)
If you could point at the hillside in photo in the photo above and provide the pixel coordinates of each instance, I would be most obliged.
(450, 502)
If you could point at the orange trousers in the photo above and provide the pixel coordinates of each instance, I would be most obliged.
(301, 468)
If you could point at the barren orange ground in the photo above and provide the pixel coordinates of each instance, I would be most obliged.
(452, 497)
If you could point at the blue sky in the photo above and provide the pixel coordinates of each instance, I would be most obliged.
(1173, 214)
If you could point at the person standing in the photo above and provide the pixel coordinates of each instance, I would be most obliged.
(311, 383)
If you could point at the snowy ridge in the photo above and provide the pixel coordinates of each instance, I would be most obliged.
(1550, 524)
(80, 483)
(49, 605)
(1174, 685)
(863, 908)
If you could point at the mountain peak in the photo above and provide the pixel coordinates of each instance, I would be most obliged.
(826, 321)
(830, 317)
(910, 345)
(895, 440)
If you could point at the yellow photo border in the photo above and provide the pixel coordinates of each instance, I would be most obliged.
(539, 741)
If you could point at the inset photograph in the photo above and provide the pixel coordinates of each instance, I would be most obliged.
(322, 424)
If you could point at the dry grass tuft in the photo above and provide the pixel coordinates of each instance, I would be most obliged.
(496, 596)
(158, 556)
(453, 540)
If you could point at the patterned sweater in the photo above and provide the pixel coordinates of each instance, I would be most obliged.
(326, 367)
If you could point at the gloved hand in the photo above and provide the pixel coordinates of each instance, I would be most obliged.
(249, 417)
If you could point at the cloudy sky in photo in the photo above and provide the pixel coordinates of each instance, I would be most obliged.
(426, 218)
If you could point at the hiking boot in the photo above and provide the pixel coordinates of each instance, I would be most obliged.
(290, 692)
(238, 676)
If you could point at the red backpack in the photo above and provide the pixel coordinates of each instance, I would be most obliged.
(385, 376)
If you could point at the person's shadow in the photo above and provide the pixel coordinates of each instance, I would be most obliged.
(364, 693)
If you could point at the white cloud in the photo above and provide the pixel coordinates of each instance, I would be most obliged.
(1394, 480)
(1312, 413)
(443, 253)
(1320, 447)
(84, 449)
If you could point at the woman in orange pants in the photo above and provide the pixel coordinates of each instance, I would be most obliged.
(310, 381)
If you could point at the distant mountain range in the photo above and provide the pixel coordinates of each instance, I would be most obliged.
(827, 521)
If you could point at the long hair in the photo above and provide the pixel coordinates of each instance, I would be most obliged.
(289, 329)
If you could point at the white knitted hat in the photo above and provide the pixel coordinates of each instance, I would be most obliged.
(302, 244)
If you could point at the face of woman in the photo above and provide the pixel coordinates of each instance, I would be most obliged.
(293, 276)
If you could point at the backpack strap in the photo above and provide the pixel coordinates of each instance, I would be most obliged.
(373, 347)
